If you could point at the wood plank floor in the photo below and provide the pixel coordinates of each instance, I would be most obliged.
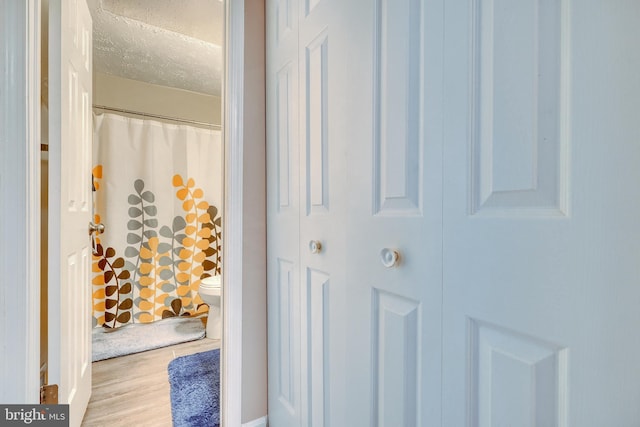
(133, 390)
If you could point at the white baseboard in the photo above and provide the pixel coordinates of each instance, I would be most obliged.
(260, 422)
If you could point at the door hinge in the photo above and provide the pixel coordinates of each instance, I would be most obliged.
(49, 394)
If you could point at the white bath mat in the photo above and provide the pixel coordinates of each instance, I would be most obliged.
(139, 337)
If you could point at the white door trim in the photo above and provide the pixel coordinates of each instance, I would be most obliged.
(233, 99)
(20, 200)
(260, 422)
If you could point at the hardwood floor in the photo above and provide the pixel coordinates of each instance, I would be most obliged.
(133, 390)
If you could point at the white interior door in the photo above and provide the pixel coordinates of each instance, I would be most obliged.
(541, 225)
(70, 133)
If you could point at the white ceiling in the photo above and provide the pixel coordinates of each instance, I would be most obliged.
(174, 43)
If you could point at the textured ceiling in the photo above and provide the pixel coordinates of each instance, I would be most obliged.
(174, 43)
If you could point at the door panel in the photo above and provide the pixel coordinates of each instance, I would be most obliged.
(398, 86)
(70, 133)
(315, 117)
(540, 221)
(515, 379)
(318, 338)
(519, 66)
(397, 353)
(285, 355)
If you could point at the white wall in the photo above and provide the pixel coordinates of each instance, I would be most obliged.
(118, 92)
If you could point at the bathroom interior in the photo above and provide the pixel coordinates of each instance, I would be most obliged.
(157, 178)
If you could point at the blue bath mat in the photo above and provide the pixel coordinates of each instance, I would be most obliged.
(195, 389)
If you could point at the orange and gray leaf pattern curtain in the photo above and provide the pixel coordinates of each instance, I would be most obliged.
(158, 189)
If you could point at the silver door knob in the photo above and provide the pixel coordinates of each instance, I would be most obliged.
(96, 228)
(315, 247)
(390, 257)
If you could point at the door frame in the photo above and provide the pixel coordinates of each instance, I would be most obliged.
(20, 190)
(232, 111)
(20, 120)
(244, 373)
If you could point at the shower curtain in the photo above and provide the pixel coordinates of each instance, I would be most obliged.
(158, 189)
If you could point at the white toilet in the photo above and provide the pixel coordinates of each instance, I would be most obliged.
(211, 293)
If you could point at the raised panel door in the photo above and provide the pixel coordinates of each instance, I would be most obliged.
(70, 133)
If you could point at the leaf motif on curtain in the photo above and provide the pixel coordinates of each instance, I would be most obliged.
(160, 272)
(114, 292)
(142, 250)
(192, 264)
(112, 298)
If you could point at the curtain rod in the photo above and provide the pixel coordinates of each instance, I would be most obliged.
(157, 116)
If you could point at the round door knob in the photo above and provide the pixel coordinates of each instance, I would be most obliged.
(315, 246)
(96, 228)
(389, 257)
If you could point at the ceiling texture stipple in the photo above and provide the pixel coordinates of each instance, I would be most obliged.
(165, 42)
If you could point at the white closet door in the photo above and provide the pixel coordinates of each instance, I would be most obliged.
(353, 342)
(283, 216)
(541, 213)
(322, 53)
(394, 177)
(307, 214)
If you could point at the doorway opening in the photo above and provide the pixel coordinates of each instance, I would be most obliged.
(166, 86)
